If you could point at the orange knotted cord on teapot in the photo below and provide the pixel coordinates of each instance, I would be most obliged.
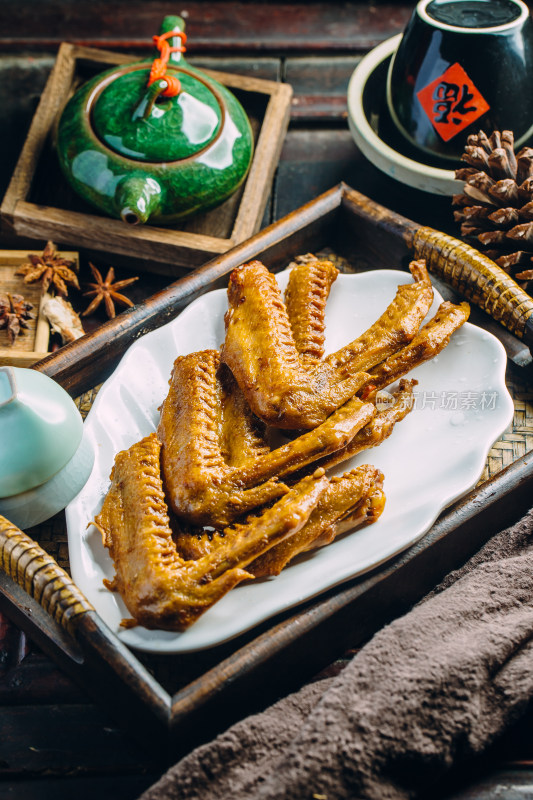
(159, 65)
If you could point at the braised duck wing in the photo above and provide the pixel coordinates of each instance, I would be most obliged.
(259, 349)
(310, 281)
(366, 512)
(431, 339)
(201, 486)
(334, 434)
(379, 428)
(161, 589)
(243, 436)
(356, 496)
(287, 390)
(398, 324)
(244, 439)
(349, 501)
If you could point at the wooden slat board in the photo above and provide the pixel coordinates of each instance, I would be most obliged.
(319, 87)
(211, 26)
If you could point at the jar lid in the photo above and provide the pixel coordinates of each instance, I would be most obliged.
(138, 122)
(40, 429)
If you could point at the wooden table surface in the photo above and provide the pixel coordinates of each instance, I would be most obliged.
(54, 741)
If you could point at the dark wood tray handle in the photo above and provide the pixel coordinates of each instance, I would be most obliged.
(35, 571)
(478, 278)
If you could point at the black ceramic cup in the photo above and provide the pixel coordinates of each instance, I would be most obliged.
(462, 66)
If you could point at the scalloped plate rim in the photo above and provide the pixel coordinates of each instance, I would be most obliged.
(89, 561)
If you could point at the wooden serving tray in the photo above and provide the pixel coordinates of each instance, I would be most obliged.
(182, 700)
(40, 204)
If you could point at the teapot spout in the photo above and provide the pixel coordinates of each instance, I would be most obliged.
(137, 198)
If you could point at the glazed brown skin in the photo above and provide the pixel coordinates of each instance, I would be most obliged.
(431, 340)
(335, 433)
(378, 429)
(367, 511)
(398, 324)
(242, 434)
(349, 501)
(259, 349)
(289, 391)
(160, 589)
(428, 343)
(310, 282)
(201, 486)
(197, 542)
(353, 495)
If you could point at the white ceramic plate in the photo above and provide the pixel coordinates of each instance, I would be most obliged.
(433, 457)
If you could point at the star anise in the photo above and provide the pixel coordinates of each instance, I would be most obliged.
(14, 311)
(51, 270)
(106, 290)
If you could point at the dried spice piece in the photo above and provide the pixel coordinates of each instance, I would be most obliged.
(63, 319)
(526, 275)
(14, 313)
(495, 210)
(106, 290)
(51, 270)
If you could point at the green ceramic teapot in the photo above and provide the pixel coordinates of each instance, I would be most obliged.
(155, 142)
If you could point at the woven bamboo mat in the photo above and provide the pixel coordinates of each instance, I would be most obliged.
(518, 439)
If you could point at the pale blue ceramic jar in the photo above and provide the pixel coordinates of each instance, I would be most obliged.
(44, 461)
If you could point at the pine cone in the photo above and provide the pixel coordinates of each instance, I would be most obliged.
(496, 207)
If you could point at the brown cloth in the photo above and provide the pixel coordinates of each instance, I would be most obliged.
(428, 691)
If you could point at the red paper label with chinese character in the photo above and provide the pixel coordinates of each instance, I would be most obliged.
(452, 102)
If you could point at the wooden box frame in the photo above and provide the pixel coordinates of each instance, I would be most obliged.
(268, 105)
(14, 356)
(276, 657)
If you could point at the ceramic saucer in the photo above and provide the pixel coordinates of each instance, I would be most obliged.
(375, 133)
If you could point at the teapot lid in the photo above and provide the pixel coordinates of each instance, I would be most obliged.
(132, 114)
